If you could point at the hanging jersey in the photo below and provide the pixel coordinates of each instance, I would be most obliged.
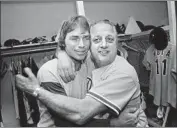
(8, 110)
(161, 63)
(122, 52)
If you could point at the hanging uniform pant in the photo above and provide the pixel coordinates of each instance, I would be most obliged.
(8, 110)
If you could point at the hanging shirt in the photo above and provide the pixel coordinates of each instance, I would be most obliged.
(8, 111)
(18, 94)
(122, 52)
(136, 51)
(162, 64)
(14, 90)
(3, 70)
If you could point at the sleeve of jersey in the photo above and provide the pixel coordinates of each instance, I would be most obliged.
(114, 92)
(48, 81)
(146, 60)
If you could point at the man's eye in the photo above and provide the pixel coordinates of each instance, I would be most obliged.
(96, 40)
(109, 39)
(74, 38)
(86, 38)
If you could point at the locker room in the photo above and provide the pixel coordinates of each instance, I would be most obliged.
(29, 30)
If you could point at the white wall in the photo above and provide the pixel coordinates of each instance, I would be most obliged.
(22, 20)
(150, 12)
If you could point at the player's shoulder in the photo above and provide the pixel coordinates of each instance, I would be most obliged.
(50, 66)
(121, 63)
(124, 69)
(123, 66)
(48, 72)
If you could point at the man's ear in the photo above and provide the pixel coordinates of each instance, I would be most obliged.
(61, 44)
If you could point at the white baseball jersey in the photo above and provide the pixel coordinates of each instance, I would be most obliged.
(162, 64)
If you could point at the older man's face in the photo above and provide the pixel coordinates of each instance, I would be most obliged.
(103, 44)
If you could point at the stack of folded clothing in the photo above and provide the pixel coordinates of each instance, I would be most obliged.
(41, 39)
(27, 41)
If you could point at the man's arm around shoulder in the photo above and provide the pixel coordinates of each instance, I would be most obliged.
(78, 111)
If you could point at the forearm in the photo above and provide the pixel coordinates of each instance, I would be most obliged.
(67, 107)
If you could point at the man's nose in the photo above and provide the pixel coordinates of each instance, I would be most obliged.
(104, 44)
(81, 43)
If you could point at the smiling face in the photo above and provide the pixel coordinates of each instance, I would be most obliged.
(103, 44)
(77, 43)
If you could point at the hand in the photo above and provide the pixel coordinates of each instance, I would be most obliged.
(127, 118)
(65, 67)
(27, 84)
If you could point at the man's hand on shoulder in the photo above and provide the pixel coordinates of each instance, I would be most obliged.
(65, 67)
